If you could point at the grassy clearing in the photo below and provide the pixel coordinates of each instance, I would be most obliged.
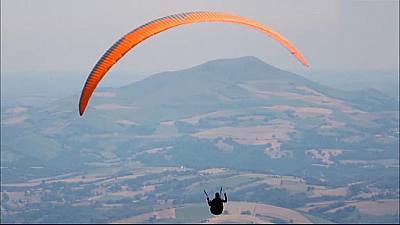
(192, 213)
(317, 220)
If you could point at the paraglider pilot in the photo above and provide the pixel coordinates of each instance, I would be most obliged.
(216, 205)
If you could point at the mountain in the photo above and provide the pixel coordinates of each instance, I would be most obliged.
(225, 83)
(205, 98)
(241, 114)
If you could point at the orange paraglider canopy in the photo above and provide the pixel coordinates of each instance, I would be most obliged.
(130, 40)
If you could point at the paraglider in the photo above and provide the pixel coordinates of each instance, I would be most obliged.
(217, 204)
(133, 38)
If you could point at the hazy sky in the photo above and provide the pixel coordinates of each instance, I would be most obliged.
(71, 35)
